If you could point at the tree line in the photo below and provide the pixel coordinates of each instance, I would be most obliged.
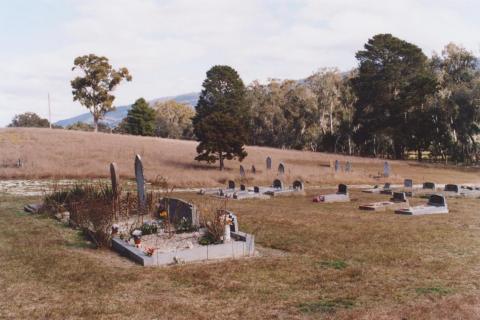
(396, 103)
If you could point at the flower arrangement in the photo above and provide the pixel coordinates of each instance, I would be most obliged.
(149, 251)
(137, 237)
(163, 214)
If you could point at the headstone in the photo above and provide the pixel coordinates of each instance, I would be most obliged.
(256, 189)
(19, 163)
(348, 167)
(278, 184)
(115, 179)
(231, 184)
(231, 216)
(242, 171)
(342, 189)
(178, 209)
(399, 197)
(451, 188)
(269, 163)
(298, 185)
(281, 169)
(429, 185)
(142, 200)
(386, 186)
(386, 169)
(242, 187)
(408, 183)
(337, 165)
(254, 170)
(437, 200)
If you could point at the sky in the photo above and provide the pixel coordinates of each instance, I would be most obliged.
(169, 45)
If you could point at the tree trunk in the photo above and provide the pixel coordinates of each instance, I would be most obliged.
(95, 124)
(419, 154)
(222, 165)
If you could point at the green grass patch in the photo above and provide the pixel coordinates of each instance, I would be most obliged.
(333, 264)
(326, 305)
(433, 290)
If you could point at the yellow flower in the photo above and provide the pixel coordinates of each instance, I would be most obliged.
(163, 214)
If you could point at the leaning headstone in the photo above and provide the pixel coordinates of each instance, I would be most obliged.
(242, 171)
(386, 169)
(278, 184)
(337, 165)
(140, 179)
(254, 170)
(114, 176)
(269, 163)
(348, 167)
(281, 169)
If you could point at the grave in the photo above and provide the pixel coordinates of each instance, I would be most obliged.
(254, 170)
(398, 201)
(186, 247)
(436, 204)
(281, 169)
(278, 188)
(452, 188)
(341, 196)
(337, 165)
(428, 186)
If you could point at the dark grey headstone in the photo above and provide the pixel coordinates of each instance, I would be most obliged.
(114, 176)
(142, 200)
(399, 197)
(254, 170)
(342, 189)
(256, 189)
(281, 169)
(429, 185)
(298, 185)
(451, 188)
(337, 165)
(408, 183)
(231, 184)
(178, 209)
(269, 163)
(234, 225)
(386, 186)
(437, 200)
(386, 169)
(278, 184)
(242, 187)
(242, 171)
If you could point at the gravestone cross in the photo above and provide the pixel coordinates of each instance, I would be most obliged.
(386, 169)
(269, 163)
(142, 200)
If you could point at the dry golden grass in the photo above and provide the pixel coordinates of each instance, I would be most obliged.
(72, 154)
(341, 264)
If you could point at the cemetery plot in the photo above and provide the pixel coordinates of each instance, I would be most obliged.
(398, 201)
(340, 196)
(437, 204)
(278, 188)
(376, 189)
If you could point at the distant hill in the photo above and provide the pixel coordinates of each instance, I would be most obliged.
(113, 118)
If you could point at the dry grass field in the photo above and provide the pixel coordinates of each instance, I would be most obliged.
(336, 263)
(71, 154)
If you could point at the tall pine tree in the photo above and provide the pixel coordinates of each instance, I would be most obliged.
(221, 124)
(140, 120)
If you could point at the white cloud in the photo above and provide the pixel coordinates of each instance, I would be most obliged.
(168, 45)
